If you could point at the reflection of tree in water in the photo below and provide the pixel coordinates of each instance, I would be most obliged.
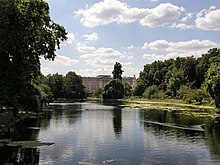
(19, 155)
(70, 112)
(21, 132)
(211, 127)
(117, 122)
(212, 132)
(73, 113)
(170, 122)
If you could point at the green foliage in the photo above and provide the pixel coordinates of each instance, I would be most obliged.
(196, 96)
(127, 89)
(183, 78)
(73, 86)
(113, 90)
(68, 86)
(213, 82)
(26, 33)
(155, 73)
(56, 84)
(153, 92)
(45, 94)
(117, 72)
(139, 88)
(177, 78)
(98, 93)
(150, 91)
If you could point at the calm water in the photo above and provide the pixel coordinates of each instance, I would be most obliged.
(94, 133)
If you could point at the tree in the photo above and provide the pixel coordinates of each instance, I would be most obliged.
(117, 72)
(204, 64)
(113, 90)
(26, 34)
(127, 89)
(190, 72)
(56, 84)
(139, 88)
(73, 86)
(176, 80)
(213, 82)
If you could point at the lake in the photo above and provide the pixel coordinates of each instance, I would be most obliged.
(92, 132)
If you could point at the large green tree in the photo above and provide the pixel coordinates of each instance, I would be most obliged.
(73, 86)
(56, 84)
(117, 72)
(213, 82)
(113, 90)
(26, 34)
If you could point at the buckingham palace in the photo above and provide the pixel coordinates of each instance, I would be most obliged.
(94, 83)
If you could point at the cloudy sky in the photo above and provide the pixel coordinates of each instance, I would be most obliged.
(132, 32)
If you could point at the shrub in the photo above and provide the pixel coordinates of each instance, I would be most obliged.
(153, 92)
(196, 96)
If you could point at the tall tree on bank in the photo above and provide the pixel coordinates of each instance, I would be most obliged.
(26, 34)
(117, 72)
(114, 89)
(73, 86)
(213, 79)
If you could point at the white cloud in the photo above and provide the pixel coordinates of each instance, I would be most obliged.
(101, 60)
(157, 45)
(64, 60)
(61, 64)
(109, 11)
(101, 56)
(177, 49)
(187, 17)
(162, 57)
(154, 57)
(208, 19)
(46, 70)
(84, 49)
(194, 47)
(183, 26)
(91, 37)
(70, 38)
(164, 14)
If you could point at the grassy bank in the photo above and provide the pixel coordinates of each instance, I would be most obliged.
(171, 105)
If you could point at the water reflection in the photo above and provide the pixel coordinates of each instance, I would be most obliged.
(90, 132)
(19, 155)
(117, 122)
(212, 135)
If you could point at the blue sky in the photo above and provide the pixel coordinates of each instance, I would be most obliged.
(132, 32)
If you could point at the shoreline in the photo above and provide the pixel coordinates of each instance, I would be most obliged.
(171, 106)
(7, 120)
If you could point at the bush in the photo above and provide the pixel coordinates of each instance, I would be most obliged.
(98, 93)
(113, 90)
(153, 92)
(196, 96)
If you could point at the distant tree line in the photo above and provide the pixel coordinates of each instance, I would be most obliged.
(195, 80)
(69, 86)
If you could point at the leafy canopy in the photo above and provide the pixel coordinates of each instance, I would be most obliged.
(26, 34)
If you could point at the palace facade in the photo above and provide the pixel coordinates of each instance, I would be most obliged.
(94, 83)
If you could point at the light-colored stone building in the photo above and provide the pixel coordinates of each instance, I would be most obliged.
(94, 83)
